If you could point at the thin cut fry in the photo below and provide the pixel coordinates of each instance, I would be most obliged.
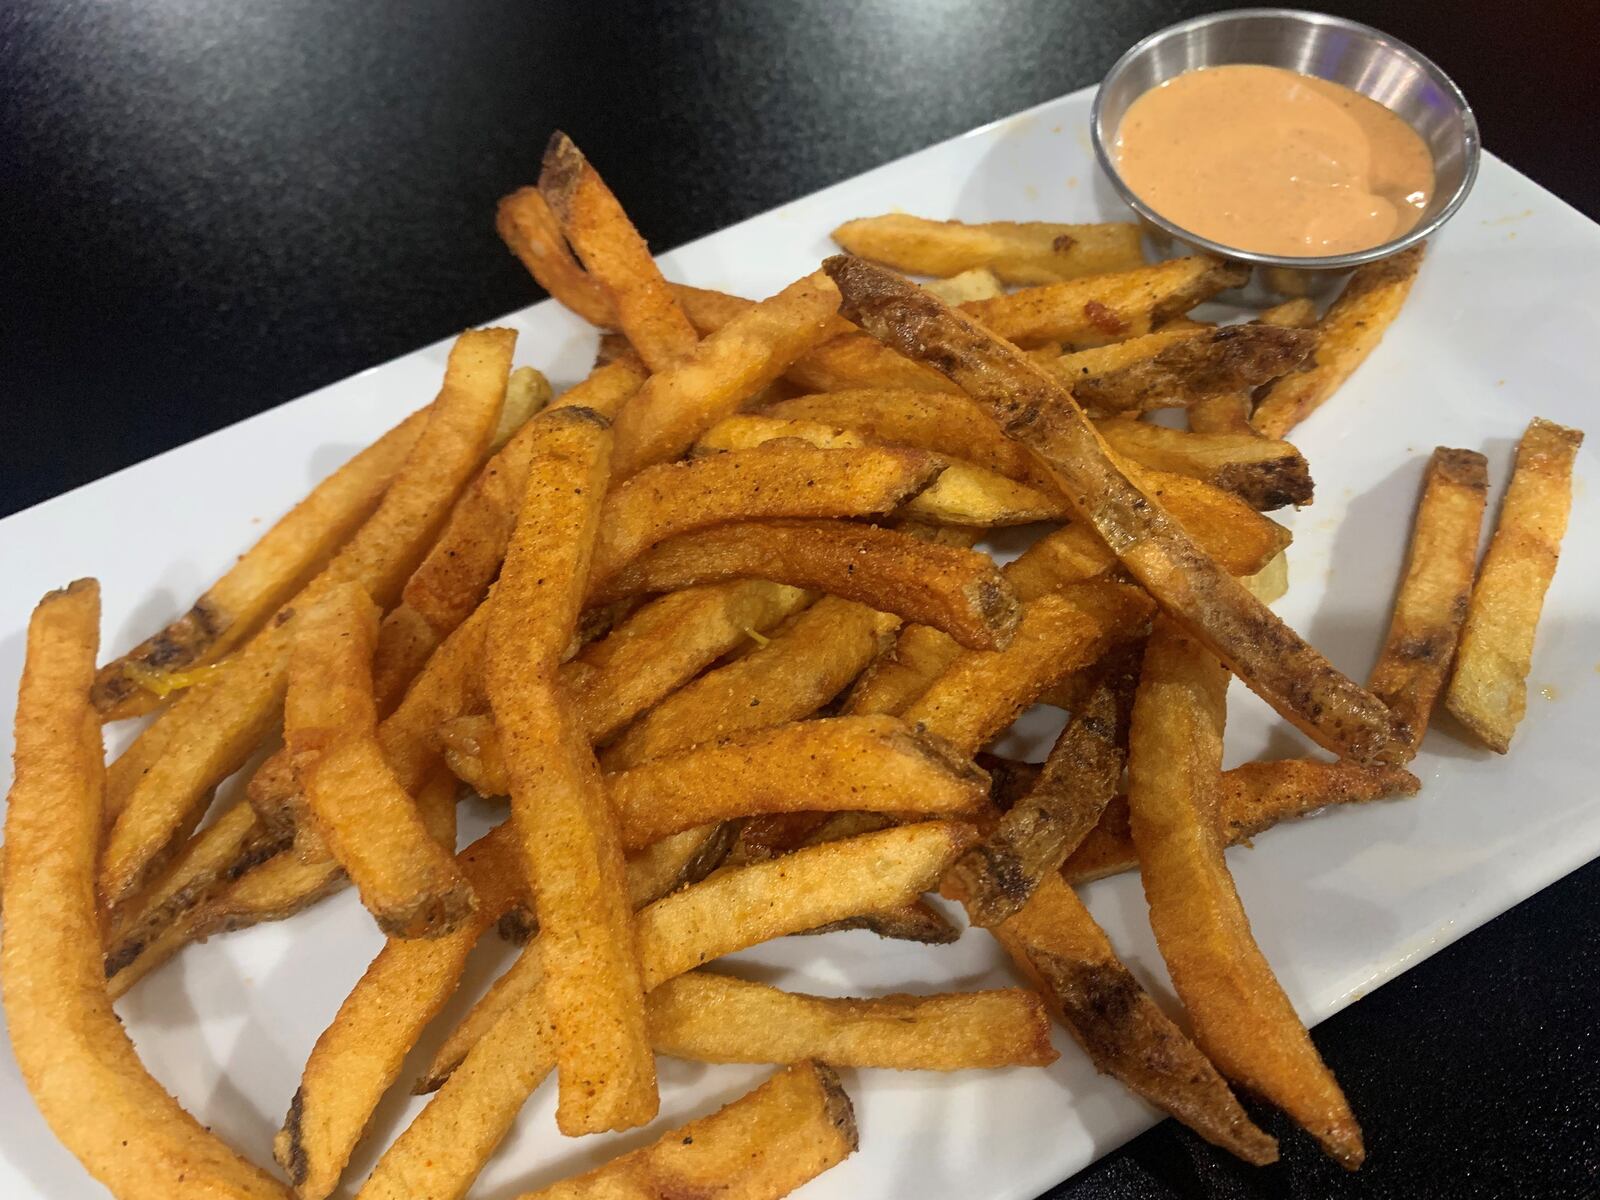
(1241, 1017)
(569, 834)
(159, 787)
(72, 1051)
(1349, 331)
(1489, 691)
(957, 590)
(615, 256)
(1264, 652)
(716, 1018)
(367, 821)
(235, 606)
(1218, 361)
(1254, 797)
(762, 1146)
(1265, 474)
(1022, 252)
(1434, 593)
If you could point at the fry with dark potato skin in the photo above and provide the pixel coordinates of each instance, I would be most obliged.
(1231, 359)
(71, 1049)
(762, 1146)
(614, 256)
(1434, 592)
(1265, 474)
(954, 589)
(568, 831)
(1489, 690)
(1349, 331)
(1264, 652)
(1241, 1017)
(1018, 252)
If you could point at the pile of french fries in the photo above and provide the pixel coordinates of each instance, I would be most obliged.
(713, 621)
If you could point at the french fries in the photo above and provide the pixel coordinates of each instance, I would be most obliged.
(717, 1018)
(569, 835)
(1026, 252)
(533, 233)
(1241, 1018)
(1432, 602)
(73, 1054)
(370, 825)
(1488, 692)
(1228, 360)
(979, 283)
(1349, 331)
(1268, 656)
(947, 587)
(762, 1146)
(614, 256)
(1265, 474)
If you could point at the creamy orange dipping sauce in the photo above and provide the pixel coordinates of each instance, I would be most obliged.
(1271, 161)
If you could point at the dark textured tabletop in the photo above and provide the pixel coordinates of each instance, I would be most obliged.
(211, 208)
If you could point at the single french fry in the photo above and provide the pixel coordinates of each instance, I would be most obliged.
(760, 1147)
(614, 256)
(1101, 308)
(1023, 252)
(1431, 605)
(850, 361)
(467, 1118)
(358, 1057)
(979, 283)
(954, 589)
(235, 606)
(1241, 1017)
(1349, 331)
(159, 787)
(716, 1018)
(995, 878)
(533, 233)
(1231, 359)
(1299, 313)
(1092, 361)
(1265, 474)
(370, 825)
(1063, 951)
(685, 398)
(1265, 653)
(786, 479)
(568, 831)
(1489, 692)
(72, 1051)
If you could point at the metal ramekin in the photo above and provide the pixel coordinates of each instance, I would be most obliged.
(1345, 52)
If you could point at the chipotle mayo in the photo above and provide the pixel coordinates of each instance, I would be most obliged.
(1271, 161)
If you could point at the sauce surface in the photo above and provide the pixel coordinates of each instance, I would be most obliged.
(1271, 161)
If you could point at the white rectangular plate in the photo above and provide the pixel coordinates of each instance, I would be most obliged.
(1501, 326)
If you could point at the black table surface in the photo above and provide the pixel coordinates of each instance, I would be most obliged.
(211, 208)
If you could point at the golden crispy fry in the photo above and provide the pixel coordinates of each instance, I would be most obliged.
(527, 393)
(1025, 252)
(455, 1134)
(802, 667)
(1265, 474)
(1254, 797)
(1232, 359)
(533, 233)
(762, 1146)
(957, 590)
(614, 256)
(995, 878)
(455, 576)
(1299, 313)
(359, 1055)
(677, 405)
(73, 1054)
(982, 692)
(159, 787)
(850, 361)
(568, 831)
(1241, 1018)
(715, 1018)
(1265, 653)
(1222, 412)
(1349, 331)
(979, 283)
(788, 479)
(1489, 692)
(1432, 602)
(1102, 308)
(370, 825)
(271, 571)
(1065, 954)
